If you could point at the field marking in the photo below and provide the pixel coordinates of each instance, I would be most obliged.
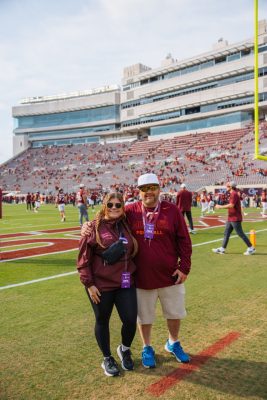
(11, 247)
(38, 280)
(38, 255)
(66, 251)
(219, 240)
(203, 223)
(159, 388)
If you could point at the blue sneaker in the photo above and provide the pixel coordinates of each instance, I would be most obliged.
(177, 350)
(148, 357)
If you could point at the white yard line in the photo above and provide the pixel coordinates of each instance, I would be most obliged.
(75, 272)
(38, 280)
(11, 248)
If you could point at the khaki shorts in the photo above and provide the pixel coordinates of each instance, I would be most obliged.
(172, 300)
(61, 207)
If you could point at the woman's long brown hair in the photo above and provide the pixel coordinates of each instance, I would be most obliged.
(101, 215)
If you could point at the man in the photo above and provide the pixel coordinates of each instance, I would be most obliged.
(211, 204)
(242, 202)
(204, 203)
(36, 202)
(60, 201)
(184, 203)
(29, 201)
(234, 221)
(81, 201)
(264, 203)
(163, 262)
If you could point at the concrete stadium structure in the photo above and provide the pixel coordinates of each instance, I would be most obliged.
(210, 92)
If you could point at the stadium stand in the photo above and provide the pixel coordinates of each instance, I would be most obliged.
(200, 159)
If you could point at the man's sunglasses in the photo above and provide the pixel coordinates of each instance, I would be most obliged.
(146, 188)
(117, 205)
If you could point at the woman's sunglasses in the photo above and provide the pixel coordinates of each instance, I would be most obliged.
(117, 205)
(148, 187)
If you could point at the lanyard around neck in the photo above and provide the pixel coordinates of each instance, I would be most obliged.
(151, 219)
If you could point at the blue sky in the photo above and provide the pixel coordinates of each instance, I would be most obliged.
(56, 46)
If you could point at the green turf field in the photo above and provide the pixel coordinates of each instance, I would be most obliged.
(48, 349)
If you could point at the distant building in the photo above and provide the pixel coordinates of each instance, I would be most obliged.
(210, 92)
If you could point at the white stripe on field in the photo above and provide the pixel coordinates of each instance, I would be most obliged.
(75, 272)
(38, 255)
(40, 245)
(38, 280)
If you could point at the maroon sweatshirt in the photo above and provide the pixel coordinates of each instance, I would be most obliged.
(170, 248)
(90, 264)
(184, 200)
(234, 214)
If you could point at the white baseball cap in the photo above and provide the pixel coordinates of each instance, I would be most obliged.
(231, 184)
(81, 185)
(147, 179)
(183, 185)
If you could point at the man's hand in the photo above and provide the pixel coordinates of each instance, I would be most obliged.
(217, 206)
(86, 228)
(181, 277)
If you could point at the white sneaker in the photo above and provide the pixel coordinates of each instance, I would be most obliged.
(245, 213)
(192, 231)
(250, 251)
(220, 250)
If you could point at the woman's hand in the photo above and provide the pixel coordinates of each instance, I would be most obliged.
(94, 294)
(86, 228)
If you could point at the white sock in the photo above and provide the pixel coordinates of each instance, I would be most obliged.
(124, 348)
(171, 342)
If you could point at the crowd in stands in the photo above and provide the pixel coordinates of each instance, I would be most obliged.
(199, 159)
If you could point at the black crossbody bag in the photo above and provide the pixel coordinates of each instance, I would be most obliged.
(115, 251)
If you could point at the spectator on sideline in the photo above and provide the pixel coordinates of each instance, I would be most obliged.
(60, 201)
(36, 202)
(211, 204)
(204, 202)
(184, 203)
(109, 285)
(163, 262)
(81, 200)
(33, 201)
(264, 203)
(234, 221)
(29, 201)
(243, 203)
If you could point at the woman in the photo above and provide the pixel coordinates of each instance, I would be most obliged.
(110, 283)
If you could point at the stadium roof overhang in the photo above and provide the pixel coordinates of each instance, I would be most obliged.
(199, 81)
(201, 103)
(197, 60)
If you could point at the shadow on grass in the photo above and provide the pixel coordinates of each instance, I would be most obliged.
(235, 377)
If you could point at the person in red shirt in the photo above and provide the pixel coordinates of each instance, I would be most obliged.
(29, 201)
(184, 203)
(163, 262)
(108, 282)
(234, 221)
